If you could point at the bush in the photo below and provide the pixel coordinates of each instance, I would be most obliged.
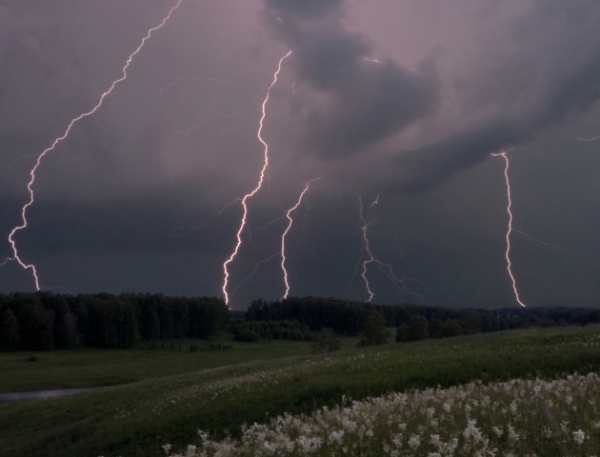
(325, 341)
(253, 331)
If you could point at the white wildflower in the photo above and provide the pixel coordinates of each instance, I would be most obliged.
(414, 441)
(498, 431)
(336, 437)
(512, 434)
(472, 432)
(579, 436)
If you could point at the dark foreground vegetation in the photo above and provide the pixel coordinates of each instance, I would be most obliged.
(171, 393)
(46, 321)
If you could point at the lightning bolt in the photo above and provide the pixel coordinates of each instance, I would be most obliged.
(258, 184)
(5, 261)
(509, 227)
(538, 241)
(384, 267)
(288, 216)
(40, 157)
(10, 165)
(594, 138)
(251, 275)
(366, 248)
(209, 118)
(376, 201)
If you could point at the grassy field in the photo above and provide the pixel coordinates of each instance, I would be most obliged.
(171, 394)
(96, 367)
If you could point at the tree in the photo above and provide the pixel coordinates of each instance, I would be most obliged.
(325, 341)
(374, 331)
(9, 331)
(36, 324)
(402, 333)
(471, 322)
(66, 333)
(450, 327)
(418, 328)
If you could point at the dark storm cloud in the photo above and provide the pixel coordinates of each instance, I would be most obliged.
(363, 100)
(428, 165)
(556, 72)
(292, 9)
(511, 92)
(377, 98)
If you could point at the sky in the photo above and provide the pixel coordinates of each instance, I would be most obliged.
(393, 106)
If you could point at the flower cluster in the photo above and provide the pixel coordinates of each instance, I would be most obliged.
(515, 418)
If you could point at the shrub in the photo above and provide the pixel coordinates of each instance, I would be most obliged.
(325, 341)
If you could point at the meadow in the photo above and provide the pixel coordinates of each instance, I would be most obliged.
(224, 389)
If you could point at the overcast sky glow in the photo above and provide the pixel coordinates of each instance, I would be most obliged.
(401, 100)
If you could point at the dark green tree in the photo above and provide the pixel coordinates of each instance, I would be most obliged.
(471, 322)
(402, 333)
(9, 331)
(374, 331)
(450, 327)
(418, 328)
(154, 326)
(36, 325)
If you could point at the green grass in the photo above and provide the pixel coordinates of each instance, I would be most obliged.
(96, 367)
(221, 390)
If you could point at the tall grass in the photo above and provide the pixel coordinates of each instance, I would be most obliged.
(515, 418)
(139, 418)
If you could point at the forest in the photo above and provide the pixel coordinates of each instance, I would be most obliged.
(47, 321)
(347, 317)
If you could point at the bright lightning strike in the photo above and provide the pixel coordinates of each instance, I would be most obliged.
(288, 215)
(510, 227)
(66, 133)
(258, 184)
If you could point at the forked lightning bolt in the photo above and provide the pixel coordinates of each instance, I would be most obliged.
(288, 216)
(251, 275)
(66, 133)
(258, 184)
(367, 248)
(384, 267)
(510, 227)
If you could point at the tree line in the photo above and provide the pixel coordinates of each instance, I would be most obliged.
(347, 317)
(46, 321)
